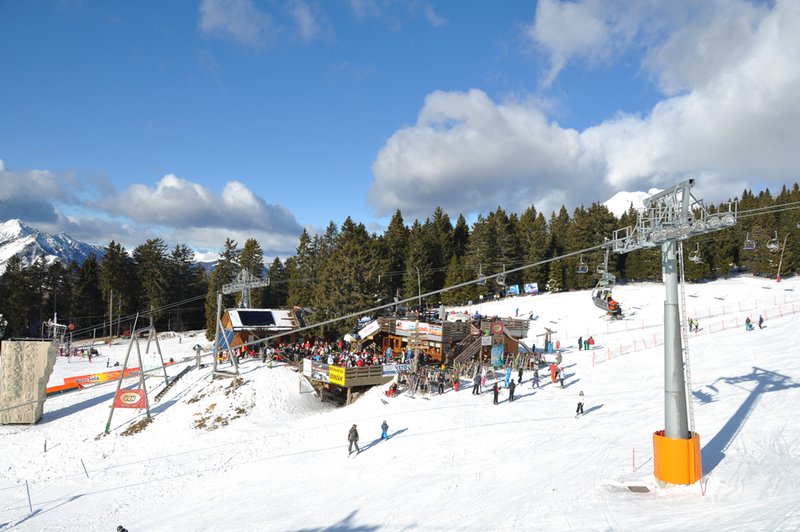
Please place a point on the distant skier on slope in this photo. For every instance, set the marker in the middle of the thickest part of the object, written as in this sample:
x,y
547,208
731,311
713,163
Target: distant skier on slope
x,y
511,387
535,378
384,430
581,399
495,392
352,437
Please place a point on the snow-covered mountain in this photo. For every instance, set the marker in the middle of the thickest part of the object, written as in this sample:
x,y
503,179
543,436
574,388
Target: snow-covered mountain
x,y
28,243
621,201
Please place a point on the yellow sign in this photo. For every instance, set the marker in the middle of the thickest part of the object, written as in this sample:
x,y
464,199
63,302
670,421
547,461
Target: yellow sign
x,y
336,374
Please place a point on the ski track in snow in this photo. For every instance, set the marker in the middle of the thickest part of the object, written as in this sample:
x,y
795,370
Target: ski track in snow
x,y
453,462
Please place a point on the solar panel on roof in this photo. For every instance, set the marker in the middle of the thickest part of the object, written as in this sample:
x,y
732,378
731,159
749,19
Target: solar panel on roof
x,y
256,318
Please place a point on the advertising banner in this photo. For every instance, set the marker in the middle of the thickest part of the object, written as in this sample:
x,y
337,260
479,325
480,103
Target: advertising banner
x,y
531,288
95,378
394,369
421,327
497,355
512,290
319,371
307,367
370,329
336,375
129,399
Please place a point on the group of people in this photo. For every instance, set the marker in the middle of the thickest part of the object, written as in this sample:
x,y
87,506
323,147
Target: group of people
x,y
585,344
352,437
748,325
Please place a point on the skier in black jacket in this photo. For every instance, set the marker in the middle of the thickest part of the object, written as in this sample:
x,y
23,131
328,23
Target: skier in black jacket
x,y
352,437
496,392
511,387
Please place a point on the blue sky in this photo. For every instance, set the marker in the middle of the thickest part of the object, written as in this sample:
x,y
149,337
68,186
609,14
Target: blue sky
x,y
198,121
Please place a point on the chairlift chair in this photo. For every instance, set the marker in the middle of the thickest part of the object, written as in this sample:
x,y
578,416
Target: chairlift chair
x,y
749,244
481,277
773,245
501,279
604,285
582,266
695,257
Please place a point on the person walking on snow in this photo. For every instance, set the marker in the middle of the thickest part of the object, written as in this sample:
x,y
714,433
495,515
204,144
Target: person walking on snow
x,y
440,380
352,437
384,430
476,384
581,399
580,343
535,378
511,387
760,321
495,392
519,381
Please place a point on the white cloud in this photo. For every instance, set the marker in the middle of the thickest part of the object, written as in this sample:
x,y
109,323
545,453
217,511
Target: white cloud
x,y
307,24
734,122
391,11
175,209
237,19
181,203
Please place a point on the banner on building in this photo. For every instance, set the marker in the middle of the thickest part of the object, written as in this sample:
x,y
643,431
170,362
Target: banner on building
x,y
336,375
497,355
130,399
531,288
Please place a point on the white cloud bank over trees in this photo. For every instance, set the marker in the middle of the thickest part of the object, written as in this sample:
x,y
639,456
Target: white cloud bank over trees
x,y
730,115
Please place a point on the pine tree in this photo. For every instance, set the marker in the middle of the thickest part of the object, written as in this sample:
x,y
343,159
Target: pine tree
x,y
116,275
277,291
252,259
302,274
224,272
152,271
419,275
394,243
86,295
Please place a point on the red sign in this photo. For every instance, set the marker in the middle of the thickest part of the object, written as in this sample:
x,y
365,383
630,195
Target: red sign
x,y
130,399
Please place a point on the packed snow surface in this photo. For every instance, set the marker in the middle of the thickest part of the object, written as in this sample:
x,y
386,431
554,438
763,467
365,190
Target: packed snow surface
x,y
267,455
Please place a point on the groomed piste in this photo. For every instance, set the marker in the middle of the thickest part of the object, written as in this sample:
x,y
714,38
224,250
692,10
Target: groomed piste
x,y
264,453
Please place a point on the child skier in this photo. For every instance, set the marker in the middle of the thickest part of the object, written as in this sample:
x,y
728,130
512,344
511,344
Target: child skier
x,y
535,378
579,410
384,430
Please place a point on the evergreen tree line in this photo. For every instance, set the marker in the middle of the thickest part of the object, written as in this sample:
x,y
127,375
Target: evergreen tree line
x,y
347,269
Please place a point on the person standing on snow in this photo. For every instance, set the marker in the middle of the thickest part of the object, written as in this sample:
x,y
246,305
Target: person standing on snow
x,y
352,437
511,387
519,381
581,399
760,321
384,430
440,380
495,392
535,378
580,343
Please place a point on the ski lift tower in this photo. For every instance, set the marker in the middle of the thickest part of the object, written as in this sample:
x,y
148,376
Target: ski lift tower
x,y
243,283
667,219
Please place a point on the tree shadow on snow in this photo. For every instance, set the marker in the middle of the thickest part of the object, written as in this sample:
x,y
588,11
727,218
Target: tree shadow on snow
x,y
345,525
765,381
